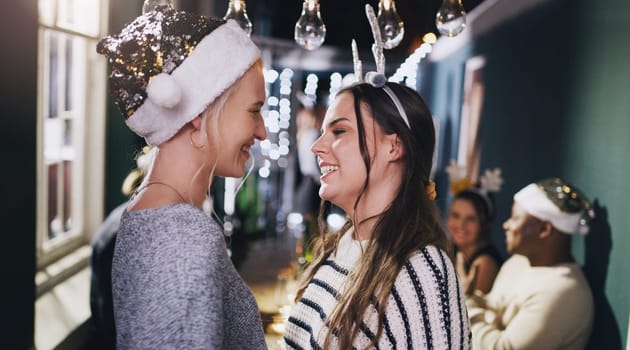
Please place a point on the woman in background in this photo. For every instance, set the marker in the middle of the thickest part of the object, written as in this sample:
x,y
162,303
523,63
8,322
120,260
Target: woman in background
x,y
469,221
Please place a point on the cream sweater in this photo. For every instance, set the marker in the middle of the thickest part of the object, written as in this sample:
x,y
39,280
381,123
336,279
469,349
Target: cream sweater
x,y
425,309
533,308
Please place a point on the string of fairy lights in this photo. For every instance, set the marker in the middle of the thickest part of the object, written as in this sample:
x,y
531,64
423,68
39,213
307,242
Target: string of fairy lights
x,y
310,29
310,33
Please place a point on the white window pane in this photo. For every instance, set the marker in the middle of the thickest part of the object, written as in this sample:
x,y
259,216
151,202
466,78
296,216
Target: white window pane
x,y
66,86
54,226
67,196
53,139
79,15
47,12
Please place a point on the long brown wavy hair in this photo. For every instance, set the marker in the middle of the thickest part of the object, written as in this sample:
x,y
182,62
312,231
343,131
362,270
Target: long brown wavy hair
x,y
412,213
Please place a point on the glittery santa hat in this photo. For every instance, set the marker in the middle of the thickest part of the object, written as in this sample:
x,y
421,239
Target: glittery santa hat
x,y
558,202
168,66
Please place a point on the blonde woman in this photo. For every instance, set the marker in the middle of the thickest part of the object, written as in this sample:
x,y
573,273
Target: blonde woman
x,y
193,88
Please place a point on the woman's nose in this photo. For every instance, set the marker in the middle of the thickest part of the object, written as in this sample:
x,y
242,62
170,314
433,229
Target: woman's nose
x,y
318,146
261,132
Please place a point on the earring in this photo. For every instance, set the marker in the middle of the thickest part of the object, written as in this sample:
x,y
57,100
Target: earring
x,y
192,143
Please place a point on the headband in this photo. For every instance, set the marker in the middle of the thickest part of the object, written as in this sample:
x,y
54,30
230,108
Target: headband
x,y
376,79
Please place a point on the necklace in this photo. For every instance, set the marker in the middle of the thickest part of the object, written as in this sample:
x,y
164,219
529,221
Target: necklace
x,y
167,185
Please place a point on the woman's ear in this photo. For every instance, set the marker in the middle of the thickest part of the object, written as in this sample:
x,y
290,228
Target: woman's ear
x,y
196,123
396,149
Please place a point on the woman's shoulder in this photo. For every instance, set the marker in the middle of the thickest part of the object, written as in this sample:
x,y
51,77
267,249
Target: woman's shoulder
x,y
486,253
429,255
428,261
177,214
180,236
485,261
176,220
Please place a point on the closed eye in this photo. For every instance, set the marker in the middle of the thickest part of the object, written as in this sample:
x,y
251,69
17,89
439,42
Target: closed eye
x,y
255,108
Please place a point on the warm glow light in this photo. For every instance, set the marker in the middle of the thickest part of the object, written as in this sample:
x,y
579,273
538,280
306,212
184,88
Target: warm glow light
x,y
311,4
238,5
429,38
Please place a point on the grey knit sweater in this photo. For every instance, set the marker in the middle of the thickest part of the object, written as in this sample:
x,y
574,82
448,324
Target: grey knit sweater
x,y
174,286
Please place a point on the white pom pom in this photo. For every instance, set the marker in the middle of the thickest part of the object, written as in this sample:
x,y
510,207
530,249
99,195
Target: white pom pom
x,y
164,91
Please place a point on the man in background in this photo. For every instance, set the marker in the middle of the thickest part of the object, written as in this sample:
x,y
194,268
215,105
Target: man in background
x,y
540,298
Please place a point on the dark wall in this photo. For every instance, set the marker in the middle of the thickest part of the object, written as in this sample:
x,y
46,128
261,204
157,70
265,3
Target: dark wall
x,y
18,105
525,107
557,103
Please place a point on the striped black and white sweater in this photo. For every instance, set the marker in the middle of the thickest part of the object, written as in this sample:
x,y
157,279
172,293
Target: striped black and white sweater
x,y
425,310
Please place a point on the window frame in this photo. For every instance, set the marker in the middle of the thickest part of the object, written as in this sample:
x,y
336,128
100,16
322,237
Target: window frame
x,y
88,123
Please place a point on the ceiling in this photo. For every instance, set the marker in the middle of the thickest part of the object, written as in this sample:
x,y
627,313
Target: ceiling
x,y
274,25
345,20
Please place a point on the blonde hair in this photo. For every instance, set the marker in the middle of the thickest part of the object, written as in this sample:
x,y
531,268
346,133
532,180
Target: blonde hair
x,y
213,109
213,113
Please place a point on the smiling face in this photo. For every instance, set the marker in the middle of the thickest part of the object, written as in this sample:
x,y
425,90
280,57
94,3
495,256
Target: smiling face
x,y
240,123
463,223
342,165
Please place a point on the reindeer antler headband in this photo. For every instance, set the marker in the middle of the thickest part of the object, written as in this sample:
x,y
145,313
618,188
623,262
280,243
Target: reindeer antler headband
x,y
376,79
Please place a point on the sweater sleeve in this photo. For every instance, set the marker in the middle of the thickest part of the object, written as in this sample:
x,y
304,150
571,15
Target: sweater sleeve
x,y
426,308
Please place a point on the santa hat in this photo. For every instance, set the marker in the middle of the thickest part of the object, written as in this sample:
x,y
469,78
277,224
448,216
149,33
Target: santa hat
x,y
558,202
168,66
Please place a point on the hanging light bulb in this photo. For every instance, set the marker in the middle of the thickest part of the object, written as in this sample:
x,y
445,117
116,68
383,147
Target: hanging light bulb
x,y
451,18
238,12
392,27
310,30
148,5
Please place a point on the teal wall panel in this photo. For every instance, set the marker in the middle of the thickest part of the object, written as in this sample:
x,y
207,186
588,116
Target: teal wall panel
x,y
599,137
557,103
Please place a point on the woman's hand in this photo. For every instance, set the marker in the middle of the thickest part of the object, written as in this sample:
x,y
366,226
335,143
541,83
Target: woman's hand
x,y
468,279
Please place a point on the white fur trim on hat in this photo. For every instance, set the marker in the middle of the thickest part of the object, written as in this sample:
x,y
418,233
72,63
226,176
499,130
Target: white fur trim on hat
x,y
536,203
220,58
